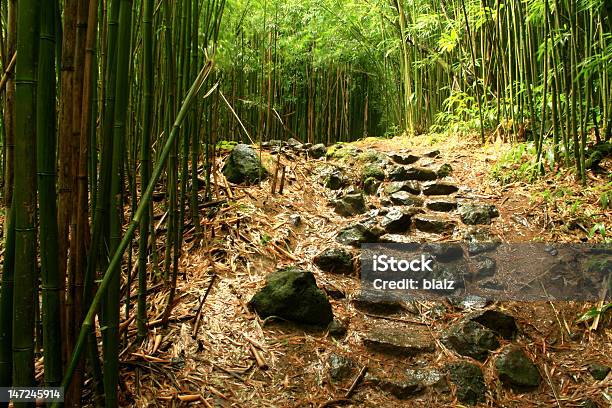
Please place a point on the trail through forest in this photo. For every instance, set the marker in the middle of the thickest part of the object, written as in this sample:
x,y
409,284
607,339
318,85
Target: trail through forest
x,y
217,351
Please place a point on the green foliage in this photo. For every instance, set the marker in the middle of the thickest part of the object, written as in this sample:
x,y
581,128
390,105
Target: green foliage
x,y
594,312
516,165
225,146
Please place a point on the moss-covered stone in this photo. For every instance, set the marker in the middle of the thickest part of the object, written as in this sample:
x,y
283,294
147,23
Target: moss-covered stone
x,y
599,371
293,294
469,381
244,166
335,260
374,171
350,204
371,186
471,339
335,181
515,369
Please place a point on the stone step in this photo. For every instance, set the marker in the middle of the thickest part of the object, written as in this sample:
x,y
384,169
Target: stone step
x,y
403,341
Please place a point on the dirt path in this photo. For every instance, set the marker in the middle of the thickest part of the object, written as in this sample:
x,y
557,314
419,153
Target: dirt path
x,y
237,359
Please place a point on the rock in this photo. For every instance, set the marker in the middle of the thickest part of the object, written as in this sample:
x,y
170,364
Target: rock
x,y
492,284
337,328
405,198
293,143
373,156
340,367
433,154
440,188
400,389
333,291
398,341
471,339
469,380
429,377
480,241
431,223
444,251
599,371
398,173
441,204
335,260
444,170
473,214
501,323
378,303
350,204
317,151
276,143
293,294
358,234
410,186
470,302
374,171
515,369
395,239
484,266
475,248
295,219
372,225
551,250
397,220
335,181
341,151
403,158
371,186
243,166
401,173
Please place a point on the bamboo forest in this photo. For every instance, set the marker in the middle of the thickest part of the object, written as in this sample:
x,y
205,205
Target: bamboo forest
x,y
306,203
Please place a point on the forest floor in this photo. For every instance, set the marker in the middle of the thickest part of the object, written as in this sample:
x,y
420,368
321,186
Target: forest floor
x,y
234,358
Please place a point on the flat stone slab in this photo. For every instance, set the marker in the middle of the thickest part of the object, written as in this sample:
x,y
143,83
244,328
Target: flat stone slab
x,y
411,186
397,220
377,303
441,204
431,223
403,158
440,188
405,198
398,341
400,388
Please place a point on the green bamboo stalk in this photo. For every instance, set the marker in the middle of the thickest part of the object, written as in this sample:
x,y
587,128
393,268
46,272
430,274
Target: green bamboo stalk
x,y
46,143
145,160
111,333
26,277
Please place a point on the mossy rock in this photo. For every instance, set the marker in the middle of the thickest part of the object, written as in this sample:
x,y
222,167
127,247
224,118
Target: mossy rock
x,y
243,166
516,370
469,380
373,171
371,186
293,294
341,150
372,156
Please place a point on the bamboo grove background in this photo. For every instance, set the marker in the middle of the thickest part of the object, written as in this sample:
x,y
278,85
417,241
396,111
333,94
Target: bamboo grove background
x,y
111,104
